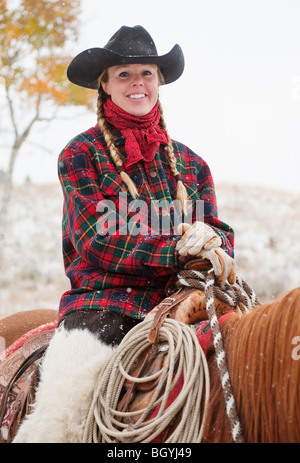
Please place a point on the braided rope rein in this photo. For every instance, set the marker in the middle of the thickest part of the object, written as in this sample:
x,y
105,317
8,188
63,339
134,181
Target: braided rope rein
x,y
239,295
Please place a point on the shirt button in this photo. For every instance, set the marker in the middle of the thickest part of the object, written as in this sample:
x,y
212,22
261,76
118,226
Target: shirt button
x,y
153,173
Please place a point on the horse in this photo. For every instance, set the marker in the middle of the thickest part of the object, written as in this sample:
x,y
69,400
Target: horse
x,y
16,325
263,362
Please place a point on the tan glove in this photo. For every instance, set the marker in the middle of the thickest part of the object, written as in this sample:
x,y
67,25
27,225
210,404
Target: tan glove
x,y
195,237
222,263
200,240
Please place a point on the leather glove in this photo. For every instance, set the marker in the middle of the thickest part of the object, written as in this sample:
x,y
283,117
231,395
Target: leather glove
x,y
222,263
195,237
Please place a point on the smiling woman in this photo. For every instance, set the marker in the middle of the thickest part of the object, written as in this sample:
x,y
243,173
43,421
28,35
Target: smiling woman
x,y
116,278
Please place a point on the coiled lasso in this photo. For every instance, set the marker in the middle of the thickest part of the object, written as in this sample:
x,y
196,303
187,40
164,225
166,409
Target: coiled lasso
x,y
104,423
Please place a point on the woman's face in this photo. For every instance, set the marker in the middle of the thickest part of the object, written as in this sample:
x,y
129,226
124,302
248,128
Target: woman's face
x,y
133,87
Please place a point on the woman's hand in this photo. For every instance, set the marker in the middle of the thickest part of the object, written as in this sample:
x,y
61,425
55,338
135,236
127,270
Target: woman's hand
x,y
200,240
222,263
195,237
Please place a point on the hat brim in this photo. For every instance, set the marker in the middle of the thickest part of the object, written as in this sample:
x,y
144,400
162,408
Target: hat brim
x,y
85,69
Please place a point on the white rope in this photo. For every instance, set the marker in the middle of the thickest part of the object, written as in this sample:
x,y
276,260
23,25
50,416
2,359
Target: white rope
x,y
239,295
231,410
107,425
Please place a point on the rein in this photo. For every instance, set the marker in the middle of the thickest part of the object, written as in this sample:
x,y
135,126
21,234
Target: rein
x,y
239,295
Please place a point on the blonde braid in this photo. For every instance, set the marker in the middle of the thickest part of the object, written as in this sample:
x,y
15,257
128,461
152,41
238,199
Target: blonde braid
x,y
181,193
102,123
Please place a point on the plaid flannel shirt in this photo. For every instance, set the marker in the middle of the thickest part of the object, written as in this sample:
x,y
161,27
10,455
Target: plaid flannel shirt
x,y
111,263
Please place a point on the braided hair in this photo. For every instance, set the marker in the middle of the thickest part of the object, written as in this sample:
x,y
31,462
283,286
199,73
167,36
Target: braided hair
x,y
181,193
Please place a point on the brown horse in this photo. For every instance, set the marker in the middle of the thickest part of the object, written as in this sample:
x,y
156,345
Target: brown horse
x,y
263,361
17,324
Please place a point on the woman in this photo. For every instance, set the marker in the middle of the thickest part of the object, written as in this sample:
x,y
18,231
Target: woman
x,y
137,207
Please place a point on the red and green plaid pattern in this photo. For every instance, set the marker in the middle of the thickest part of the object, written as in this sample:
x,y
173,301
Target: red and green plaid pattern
x,y
124,270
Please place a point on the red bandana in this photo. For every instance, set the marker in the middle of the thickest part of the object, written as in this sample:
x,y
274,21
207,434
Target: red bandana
x,y
142,134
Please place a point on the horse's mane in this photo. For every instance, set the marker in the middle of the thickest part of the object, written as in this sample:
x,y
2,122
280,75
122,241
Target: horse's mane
x,y
264,375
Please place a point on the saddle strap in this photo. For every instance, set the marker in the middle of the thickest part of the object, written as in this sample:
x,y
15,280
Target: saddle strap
x,y
162,310
152,358
19,372
147,358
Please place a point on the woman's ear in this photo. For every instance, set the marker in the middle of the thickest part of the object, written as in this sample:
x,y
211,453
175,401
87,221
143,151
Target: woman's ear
x,y
105,87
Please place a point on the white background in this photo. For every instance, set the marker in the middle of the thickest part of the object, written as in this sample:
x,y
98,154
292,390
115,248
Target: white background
x,y
238,102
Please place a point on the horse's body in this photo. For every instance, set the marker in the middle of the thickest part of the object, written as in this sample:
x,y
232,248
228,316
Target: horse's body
x,y
264,367
264,372
14,326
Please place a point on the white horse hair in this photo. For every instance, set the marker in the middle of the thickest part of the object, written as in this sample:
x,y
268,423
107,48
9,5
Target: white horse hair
x,y
68,375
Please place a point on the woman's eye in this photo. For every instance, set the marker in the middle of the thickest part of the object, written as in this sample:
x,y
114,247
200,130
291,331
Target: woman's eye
x,y
123,74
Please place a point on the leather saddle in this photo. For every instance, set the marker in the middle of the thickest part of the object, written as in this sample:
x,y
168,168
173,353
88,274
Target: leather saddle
x,y
19,376
19,373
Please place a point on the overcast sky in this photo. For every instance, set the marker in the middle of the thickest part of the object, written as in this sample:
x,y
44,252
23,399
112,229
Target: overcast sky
x,y
238,102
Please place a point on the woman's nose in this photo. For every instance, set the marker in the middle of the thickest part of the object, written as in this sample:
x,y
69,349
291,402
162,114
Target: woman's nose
x,y
137,80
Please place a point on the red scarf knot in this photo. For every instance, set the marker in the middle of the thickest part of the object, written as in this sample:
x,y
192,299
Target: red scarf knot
x,y
142,134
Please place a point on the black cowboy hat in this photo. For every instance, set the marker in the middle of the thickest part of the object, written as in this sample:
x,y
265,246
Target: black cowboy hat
x,y
128,45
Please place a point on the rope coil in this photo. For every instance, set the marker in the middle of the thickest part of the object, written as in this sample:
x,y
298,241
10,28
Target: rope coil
x,y
104,423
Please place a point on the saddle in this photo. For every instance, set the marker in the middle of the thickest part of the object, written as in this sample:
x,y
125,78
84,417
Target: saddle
x,y
19,372
19,377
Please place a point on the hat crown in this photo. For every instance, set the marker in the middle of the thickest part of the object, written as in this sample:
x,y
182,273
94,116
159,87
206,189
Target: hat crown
x,y
132,41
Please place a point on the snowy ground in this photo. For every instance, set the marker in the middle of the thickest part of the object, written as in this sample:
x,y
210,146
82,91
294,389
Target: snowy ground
x,y
267,246
266,224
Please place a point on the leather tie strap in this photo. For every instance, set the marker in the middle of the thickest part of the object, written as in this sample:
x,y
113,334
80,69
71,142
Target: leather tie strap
x,y
162,310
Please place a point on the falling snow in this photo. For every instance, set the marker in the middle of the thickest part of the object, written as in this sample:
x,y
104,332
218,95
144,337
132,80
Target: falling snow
x,y
267,246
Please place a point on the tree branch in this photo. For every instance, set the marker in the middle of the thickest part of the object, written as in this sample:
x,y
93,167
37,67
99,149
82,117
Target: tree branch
x,y
28,128
11,111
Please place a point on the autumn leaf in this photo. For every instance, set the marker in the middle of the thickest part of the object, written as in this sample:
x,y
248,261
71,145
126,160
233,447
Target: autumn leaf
x,y
32,39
